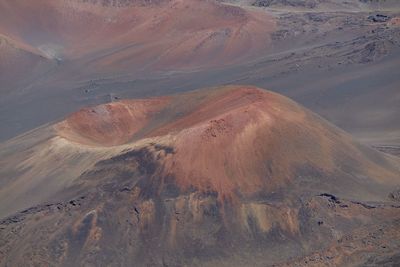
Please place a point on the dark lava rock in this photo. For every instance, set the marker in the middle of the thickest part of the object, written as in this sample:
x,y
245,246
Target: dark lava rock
x,y
293,3
395,195
378,18
331,198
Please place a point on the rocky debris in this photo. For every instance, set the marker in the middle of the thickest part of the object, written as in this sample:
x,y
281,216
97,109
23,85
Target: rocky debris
x,y
112,97
373,42
131,218
370,247
123,3
395,195
331,198
216,128
137,213
317,17
19,217
379,18
365,205
291,3
372,51
166,149
393,150
280,35
342,203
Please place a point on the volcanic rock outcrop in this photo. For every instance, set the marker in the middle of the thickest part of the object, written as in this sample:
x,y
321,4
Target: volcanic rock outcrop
x,y
225,176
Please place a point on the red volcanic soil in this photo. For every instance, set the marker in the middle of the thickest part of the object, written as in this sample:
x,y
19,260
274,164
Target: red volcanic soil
x,y
225,139
394,22
192,179
110,124
166,34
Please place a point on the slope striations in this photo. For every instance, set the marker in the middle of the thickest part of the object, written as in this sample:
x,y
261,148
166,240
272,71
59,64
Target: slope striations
x,y
222,176
115,35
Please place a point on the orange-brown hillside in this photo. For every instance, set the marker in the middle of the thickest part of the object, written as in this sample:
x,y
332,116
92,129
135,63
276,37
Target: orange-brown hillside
x,y
110,124
192,179
234,139
139,34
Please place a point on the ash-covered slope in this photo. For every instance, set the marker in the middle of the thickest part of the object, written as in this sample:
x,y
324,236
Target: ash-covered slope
x,y
227,176
114,35
19,62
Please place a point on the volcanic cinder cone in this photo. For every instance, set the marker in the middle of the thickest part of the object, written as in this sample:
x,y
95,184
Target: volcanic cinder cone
x,y
228,176
138,34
